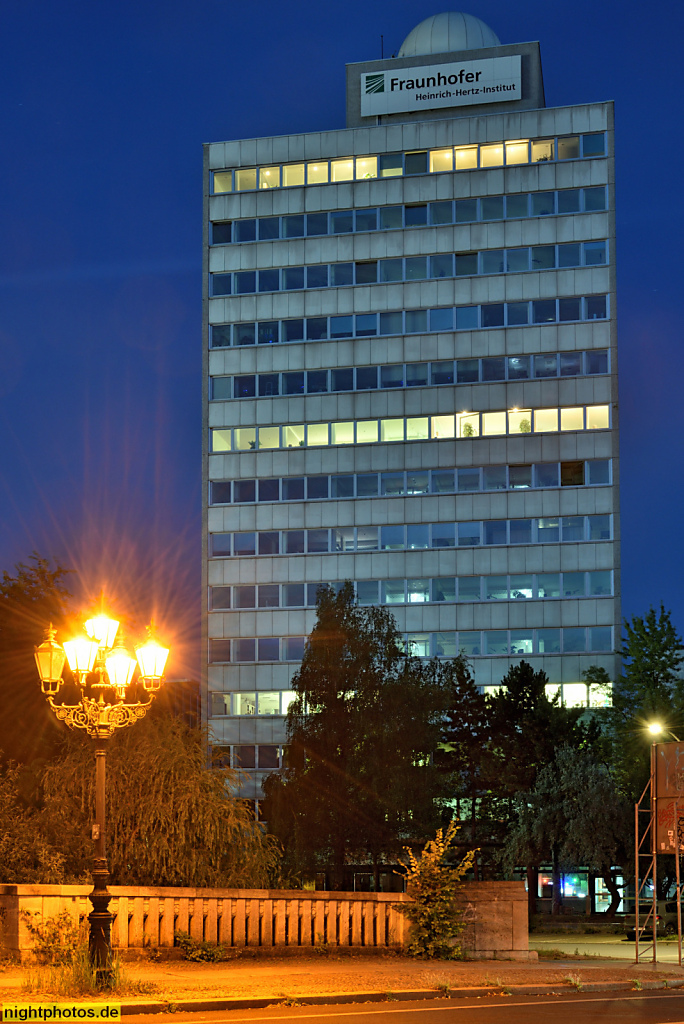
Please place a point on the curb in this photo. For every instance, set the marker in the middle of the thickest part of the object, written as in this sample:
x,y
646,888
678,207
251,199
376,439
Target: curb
x,y
401,995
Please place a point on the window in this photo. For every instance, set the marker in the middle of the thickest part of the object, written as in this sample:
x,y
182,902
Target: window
x,y
244,704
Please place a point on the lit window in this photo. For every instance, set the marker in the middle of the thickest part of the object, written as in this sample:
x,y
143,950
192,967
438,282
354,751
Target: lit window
x,y
342,170
317,434
287,697
269,177
417,429
245,438
223,181
418,645
269,437
545,421
542,150
468,424
316,173
519,421
366,167
521,641
244,703
516,152
575,695
343,433
418,591
442,426
245,179
465,157
492,156
493,423
293,174
391,430
269,702
293,436
367,432
598,417
220,441
572,419
441,160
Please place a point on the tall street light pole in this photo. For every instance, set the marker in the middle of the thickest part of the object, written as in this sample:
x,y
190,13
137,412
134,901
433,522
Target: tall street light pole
x,y
108,692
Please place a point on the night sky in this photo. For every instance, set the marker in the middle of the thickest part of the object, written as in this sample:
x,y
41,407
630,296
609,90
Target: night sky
x,y
105,106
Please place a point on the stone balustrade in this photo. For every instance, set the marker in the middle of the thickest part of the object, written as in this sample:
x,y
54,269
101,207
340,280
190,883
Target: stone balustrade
x,y
267,919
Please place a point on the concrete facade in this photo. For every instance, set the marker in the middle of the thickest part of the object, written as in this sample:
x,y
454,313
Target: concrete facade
x,y
548,585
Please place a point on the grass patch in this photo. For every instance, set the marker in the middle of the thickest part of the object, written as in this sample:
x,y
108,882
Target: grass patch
x,y
78,977
552,954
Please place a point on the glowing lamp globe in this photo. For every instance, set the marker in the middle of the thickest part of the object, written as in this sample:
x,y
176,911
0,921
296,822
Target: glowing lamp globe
x,y
152,661
81,653
103,629
50,658
120,668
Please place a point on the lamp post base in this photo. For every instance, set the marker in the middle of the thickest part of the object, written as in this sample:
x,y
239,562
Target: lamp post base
x,y
100,938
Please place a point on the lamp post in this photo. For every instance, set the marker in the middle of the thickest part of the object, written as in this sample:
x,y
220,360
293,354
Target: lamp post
x,y
104,673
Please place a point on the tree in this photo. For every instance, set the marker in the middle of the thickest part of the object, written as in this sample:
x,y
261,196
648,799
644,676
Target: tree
x,y
574,815
170,819
464,747
35,596
650,689
527,726
361,732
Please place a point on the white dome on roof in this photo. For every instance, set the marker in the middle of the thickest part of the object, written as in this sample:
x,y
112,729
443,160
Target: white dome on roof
x,y
444,33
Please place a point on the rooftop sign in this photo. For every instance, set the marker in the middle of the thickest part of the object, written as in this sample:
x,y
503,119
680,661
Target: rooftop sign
x,y
462,83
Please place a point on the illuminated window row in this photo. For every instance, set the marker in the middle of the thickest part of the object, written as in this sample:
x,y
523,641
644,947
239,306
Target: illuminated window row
x,y
414,428
391,165
413,321
261,702
449,589
566,256
412,536
389,218
595,472
264,756
411,375
473,643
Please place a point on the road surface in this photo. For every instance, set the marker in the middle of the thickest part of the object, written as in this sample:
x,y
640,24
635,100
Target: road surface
x,y
569,1008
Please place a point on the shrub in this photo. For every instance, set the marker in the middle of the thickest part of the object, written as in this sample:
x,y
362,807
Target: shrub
x,y
55,940
433,884
207,952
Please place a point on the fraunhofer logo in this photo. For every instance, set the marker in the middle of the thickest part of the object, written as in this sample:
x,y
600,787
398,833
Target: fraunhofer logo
x,y
375,83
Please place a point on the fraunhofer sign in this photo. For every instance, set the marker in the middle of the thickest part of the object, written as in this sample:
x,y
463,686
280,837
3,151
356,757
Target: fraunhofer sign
x,y
459,83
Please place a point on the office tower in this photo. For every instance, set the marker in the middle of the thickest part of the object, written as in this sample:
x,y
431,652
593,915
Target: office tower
x,y
410,356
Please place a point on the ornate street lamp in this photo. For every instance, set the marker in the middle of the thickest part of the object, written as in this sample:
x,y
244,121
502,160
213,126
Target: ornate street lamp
x,y
107,688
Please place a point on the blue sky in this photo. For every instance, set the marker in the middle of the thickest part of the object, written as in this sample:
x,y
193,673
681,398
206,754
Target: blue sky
x,y
104,109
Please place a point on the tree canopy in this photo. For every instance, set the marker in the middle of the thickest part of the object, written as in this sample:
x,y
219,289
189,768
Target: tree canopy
x,y
362,732
574,815
170,820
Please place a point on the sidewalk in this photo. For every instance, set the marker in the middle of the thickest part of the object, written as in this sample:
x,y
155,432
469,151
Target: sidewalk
x,y
242,982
